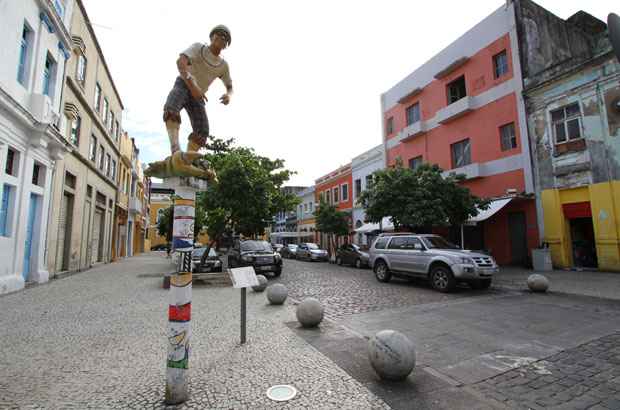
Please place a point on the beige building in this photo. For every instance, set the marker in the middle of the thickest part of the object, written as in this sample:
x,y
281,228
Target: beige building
x,y
85,181
120,231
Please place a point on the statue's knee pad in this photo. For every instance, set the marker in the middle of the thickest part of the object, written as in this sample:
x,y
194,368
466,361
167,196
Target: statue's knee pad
x,y
172,116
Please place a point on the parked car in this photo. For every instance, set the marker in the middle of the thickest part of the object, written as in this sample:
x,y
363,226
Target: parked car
x,y
352,254
430,257
277,247
211,264
160,247
289,251
258,254
311,251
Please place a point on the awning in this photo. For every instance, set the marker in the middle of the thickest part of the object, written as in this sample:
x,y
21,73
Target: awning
x,y
494,207
370,227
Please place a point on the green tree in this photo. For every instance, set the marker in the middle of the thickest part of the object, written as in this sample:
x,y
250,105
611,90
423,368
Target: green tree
x,y
332,222
246,195
419,199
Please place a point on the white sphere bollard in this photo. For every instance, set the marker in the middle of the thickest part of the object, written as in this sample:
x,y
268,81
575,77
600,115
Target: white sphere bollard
x,y
391,354
276,294
310,312
537,283
262,283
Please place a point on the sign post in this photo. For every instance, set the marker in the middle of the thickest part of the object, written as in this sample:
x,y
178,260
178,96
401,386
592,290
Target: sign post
x,y
243,278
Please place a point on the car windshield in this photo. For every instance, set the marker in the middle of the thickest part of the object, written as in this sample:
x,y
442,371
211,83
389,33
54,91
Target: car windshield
x,y
292,246
312,246
256,246
200,251
437,242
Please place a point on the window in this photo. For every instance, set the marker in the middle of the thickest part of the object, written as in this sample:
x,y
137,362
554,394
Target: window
x,y
500,64
98,98
389,125
49,76
113,176
335,195
508,137
74,136
413,114
328,196
414,163
12,162
118,130
358,187
380,243
92,151
305,207
24,55
310,206
566,123
368,181
398,242
80,73
321,197
101,157
70,180
456,90
5,209
106,111
111,123
36,174
461,154
108,164
345,192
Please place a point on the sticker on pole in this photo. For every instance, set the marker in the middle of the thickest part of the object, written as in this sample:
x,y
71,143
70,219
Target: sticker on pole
x,y
243,277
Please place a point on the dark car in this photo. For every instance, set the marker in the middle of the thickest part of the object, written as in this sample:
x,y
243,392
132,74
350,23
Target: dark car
x,y
289,251
211,264
160,247
258,254
352,254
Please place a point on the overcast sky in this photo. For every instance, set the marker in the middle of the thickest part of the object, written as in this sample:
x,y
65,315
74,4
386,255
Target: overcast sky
x,y
307,75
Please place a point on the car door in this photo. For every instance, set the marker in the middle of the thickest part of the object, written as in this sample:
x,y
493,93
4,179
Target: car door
x,y
346,254
301,251
416,255
397,253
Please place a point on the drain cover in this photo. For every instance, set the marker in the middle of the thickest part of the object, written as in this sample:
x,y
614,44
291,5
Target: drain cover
x,y
282,392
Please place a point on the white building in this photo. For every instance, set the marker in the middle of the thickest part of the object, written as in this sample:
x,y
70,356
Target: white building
x,y
362,168
34,46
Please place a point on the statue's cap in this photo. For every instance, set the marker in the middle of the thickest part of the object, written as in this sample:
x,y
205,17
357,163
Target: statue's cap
x,y
222,29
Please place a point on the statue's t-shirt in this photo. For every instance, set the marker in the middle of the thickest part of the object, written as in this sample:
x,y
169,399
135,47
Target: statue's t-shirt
x,y
206,67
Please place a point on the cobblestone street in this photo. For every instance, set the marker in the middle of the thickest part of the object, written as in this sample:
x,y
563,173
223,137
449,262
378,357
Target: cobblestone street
x,y
97,340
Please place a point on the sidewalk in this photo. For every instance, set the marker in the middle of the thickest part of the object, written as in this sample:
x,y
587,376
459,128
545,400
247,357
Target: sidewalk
x,y
98,340
587,283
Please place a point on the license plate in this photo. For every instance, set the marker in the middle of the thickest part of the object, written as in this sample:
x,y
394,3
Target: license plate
x,y
264,268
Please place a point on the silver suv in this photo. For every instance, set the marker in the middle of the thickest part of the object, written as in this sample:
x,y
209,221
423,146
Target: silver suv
x,y
431,257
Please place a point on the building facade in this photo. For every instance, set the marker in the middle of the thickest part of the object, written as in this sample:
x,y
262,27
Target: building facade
x,y
573,102
464,111
85,181
120,229
306,222
335,189
362,168
35,48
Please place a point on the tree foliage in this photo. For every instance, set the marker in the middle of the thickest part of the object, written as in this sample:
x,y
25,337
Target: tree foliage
x,y
420,198
332,222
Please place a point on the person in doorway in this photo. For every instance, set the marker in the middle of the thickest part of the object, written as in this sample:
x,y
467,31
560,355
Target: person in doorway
x,y
198,67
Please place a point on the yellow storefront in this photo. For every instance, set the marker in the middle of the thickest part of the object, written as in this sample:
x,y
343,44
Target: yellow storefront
x,y
582,226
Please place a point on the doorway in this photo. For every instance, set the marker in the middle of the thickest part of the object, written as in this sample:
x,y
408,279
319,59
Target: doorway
x,y
583,243
29,245
518,238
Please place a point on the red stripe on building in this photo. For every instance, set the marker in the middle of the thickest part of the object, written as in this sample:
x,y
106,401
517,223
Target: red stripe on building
x,y
577,210
180,313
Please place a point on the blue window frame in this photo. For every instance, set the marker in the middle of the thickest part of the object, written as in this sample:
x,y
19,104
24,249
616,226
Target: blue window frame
x,y
23,55
4,210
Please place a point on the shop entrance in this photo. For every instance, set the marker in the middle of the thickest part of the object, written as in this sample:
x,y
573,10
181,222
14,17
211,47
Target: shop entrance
x,y
583,243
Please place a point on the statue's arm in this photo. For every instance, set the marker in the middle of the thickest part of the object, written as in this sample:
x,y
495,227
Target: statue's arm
x,y
183,62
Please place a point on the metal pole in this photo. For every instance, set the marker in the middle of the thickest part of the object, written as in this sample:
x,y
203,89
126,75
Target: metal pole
x,y
462,237
180,305
243,308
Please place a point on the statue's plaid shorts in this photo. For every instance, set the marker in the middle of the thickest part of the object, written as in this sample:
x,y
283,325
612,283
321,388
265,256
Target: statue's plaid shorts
x,y
179,98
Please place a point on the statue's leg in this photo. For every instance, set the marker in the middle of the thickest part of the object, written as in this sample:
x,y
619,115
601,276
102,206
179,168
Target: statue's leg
x,y
178,97
200,125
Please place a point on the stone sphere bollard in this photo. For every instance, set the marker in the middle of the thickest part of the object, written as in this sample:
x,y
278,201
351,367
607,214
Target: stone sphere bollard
x,y
391,354
537,283
276,294
310,312
262,283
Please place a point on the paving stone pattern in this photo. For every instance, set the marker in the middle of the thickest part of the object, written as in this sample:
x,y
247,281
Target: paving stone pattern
x,y
586,377
347,291
97,340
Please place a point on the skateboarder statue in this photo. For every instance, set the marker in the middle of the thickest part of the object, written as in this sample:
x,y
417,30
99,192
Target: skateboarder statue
x,y
198,67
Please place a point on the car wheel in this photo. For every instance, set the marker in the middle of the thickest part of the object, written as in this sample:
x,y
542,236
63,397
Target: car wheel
x,y
481,284
442,279
382,273
338,260
358,263
277,273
